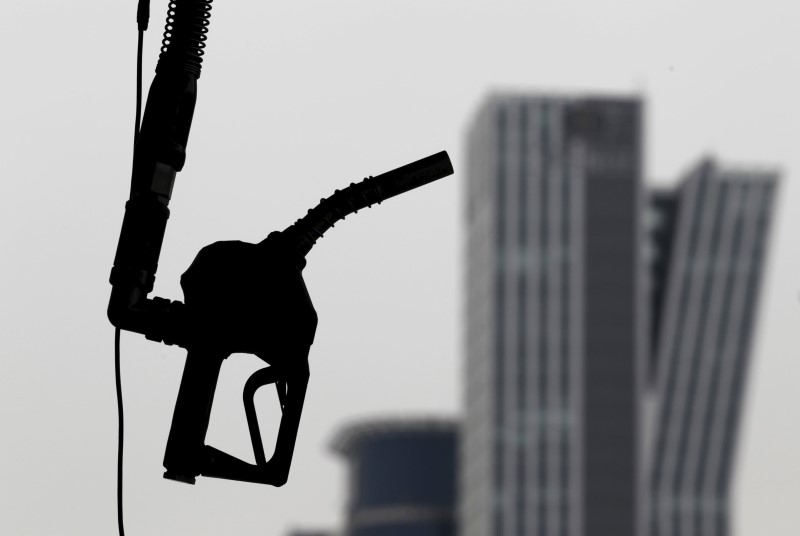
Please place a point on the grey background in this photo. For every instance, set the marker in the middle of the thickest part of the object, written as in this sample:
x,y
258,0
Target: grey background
x,y
297,99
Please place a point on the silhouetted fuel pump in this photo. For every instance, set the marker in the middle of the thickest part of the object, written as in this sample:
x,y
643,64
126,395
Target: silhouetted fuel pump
x,y
238,297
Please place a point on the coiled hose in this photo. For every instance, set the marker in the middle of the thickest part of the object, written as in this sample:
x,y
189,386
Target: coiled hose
x,y
185,35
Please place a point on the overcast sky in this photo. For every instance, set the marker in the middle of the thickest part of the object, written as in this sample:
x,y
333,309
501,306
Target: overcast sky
x,y
297,99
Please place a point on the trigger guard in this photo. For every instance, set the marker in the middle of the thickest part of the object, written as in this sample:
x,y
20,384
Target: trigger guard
x,y
259,379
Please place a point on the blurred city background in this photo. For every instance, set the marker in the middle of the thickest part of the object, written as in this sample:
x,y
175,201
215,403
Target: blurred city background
x,y
590,329
608,328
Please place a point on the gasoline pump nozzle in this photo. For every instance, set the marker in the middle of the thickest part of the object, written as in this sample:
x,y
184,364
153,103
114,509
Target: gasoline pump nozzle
x,y
251,298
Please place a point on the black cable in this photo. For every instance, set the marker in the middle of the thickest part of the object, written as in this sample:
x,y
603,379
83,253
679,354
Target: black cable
x,y
121,433
138,87
142,18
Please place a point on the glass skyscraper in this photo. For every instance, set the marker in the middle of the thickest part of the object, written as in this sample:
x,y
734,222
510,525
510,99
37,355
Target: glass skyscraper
x,y
718,220
556,318
575,398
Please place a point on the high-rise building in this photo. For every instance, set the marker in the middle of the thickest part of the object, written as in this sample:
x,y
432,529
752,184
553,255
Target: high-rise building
x,y
608,327
714,227
402,477
556,334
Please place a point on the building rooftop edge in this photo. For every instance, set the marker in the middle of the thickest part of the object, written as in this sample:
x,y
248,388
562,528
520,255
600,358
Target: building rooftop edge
x,y
578,95
349,435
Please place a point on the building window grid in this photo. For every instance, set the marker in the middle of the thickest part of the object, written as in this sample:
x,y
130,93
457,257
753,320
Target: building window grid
x,y
566,346
683,303
695,269
706,276
544,249
732,416
718,355
500,324
550,321
522,318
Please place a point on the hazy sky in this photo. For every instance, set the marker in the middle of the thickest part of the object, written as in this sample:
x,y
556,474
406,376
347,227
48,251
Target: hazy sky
x,y
297,99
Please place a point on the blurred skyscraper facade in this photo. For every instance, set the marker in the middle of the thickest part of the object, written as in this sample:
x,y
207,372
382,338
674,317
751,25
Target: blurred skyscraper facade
x,y
716,227
556,318
606,332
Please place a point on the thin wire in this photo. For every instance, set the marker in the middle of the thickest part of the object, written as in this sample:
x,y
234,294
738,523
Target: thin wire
x,y
120,413
121,433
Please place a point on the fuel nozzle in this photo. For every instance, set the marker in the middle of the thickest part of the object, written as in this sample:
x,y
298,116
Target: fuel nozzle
x,y
251,298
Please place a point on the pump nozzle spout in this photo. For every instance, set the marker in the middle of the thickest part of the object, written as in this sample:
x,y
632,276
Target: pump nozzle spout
x,y
304,233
